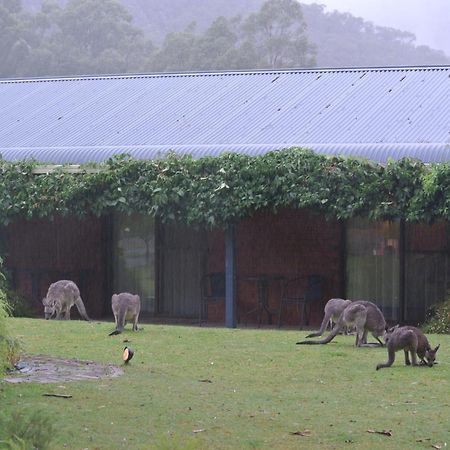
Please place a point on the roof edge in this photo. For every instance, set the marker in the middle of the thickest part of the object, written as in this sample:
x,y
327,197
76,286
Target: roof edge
x,y
225,72
428,152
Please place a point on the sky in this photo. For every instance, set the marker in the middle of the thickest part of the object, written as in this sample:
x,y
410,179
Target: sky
x,y
429,20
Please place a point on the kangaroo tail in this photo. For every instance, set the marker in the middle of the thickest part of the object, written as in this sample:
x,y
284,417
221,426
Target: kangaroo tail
x,y
337,328
326,319
81,309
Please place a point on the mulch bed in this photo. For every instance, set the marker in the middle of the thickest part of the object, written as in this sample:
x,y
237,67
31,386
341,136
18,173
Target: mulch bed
x,y
48,369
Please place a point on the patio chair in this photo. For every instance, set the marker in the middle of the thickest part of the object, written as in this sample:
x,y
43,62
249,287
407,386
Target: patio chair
x,y
297,294
212,290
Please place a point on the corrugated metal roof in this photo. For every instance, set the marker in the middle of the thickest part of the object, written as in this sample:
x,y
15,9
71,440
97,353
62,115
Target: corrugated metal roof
x,y
370,112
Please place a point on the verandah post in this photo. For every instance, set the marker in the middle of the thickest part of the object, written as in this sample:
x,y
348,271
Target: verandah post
x,y
230,288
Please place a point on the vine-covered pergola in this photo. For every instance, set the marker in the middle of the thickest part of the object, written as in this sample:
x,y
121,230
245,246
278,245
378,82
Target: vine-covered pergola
x,y
219,191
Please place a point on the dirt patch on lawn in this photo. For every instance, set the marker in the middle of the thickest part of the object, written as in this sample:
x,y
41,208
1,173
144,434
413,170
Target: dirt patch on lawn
x,y
47,369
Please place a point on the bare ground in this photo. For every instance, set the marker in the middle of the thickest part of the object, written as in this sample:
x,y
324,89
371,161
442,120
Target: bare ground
x,y
47,369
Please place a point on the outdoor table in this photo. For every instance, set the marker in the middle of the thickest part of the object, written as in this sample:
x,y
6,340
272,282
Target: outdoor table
x,y
263,282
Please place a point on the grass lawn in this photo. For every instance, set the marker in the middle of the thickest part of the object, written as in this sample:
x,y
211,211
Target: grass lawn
x,y
215,388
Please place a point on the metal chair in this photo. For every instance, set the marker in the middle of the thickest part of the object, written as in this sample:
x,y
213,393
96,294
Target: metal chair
x,y
296,293
212,290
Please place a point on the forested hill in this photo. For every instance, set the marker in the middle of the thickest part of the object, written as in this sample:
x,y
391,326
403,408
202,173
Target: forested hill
x,y
341,39
70,37
159,17
344,40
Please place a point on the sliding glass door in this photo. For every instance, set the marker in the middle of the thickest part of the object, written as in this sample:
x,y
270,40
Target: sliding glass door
x,y
373,264
134,257
427,268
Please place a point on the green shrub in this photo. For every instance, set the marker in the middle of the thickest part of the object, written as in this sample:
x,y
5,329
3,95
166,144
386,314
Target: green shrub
x,y
9,347
24,431
3,341
4,312
17,305
439,322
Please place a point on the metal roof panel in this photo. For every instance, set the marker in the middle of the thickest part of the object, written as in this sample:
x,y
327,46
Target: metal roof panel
x,y
370,112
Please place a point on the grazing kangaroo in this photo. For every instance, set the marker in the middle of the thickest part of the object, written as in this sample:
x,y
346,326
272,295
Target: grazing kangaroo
x,y
333,309
364,316
61,296
126,307
410,340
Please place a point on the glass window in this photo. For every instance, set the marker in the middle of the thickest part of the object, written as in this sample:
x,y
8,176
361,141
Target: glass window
x,y
426,268
134,257
373,264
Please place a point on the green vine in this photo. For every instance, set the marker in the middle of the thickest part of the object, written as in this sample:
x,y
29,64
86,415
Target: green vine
x,y
214,191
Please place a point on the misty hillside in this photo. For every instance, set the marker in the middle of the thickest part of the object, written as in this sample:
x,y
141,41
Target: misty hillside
x,y
159,17
83,37
340,38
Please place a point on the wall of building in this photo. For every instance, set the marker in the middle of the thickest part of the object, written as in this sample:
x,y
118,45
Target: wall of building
x,y
40,252
291,243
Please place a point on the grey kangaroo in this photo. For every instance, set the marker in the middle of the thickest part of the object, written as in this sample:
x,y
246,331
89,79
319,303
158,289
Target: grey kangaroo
x,y
333,309
410,340
364,316
61,296
126,307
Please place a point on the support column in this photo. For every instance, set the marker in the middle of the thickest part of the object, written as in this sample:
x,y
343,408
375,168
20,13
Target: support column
x,y
402,268
230,269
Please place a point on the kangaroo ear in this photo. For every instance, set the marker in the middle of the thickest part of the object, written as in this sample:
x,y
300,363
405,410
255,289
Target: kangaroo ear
x,y
390,330
437,348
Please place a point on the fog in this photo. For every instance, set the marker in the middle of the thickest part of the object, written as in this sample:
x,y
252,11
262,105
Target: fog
x,y
429,20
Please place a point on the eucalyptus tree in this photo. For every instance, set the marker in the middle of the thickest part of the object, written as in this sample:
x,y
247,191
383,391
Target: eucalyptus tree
x,y
277,34
273,37
90,36
14,47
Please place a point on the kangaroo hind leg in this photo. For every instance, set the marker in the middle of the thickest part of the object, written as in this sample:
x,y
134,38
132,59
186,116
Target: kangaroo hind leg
x,y
407,361
135,323
361,333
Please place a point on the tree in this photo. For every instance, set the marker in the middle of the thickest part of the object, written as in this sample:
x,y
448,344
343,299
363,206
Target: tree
x,y
277,34
177,51
274,37
14,48
90,36
216,48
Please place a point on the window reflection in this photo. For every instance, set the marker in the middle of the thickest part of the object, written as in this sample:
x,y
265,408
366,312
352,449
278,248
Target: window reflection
x,y
427,268
373,264
134,257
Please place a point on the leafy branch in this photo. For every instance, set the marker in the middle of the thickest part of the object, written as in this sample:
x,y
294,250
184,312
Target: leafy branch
x,y
214,191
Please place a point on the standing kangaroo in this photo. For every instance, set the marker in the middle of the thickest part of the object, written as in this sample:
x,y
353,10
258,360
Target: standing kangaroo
x,y
364,316
61,296
126,307
410,340
333,309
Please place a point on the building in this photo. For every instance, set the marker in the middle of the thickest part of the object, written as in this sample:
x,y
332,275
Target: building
x,y
373,113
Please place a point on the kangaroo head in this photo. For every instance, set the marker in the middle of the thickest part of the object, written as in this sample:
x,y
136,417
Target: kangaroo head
x,y
387,332
49,308
430,356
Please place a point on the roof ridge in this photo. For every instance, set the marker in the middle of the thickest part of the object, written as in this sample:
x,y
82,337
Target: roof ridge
x,y
224,73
